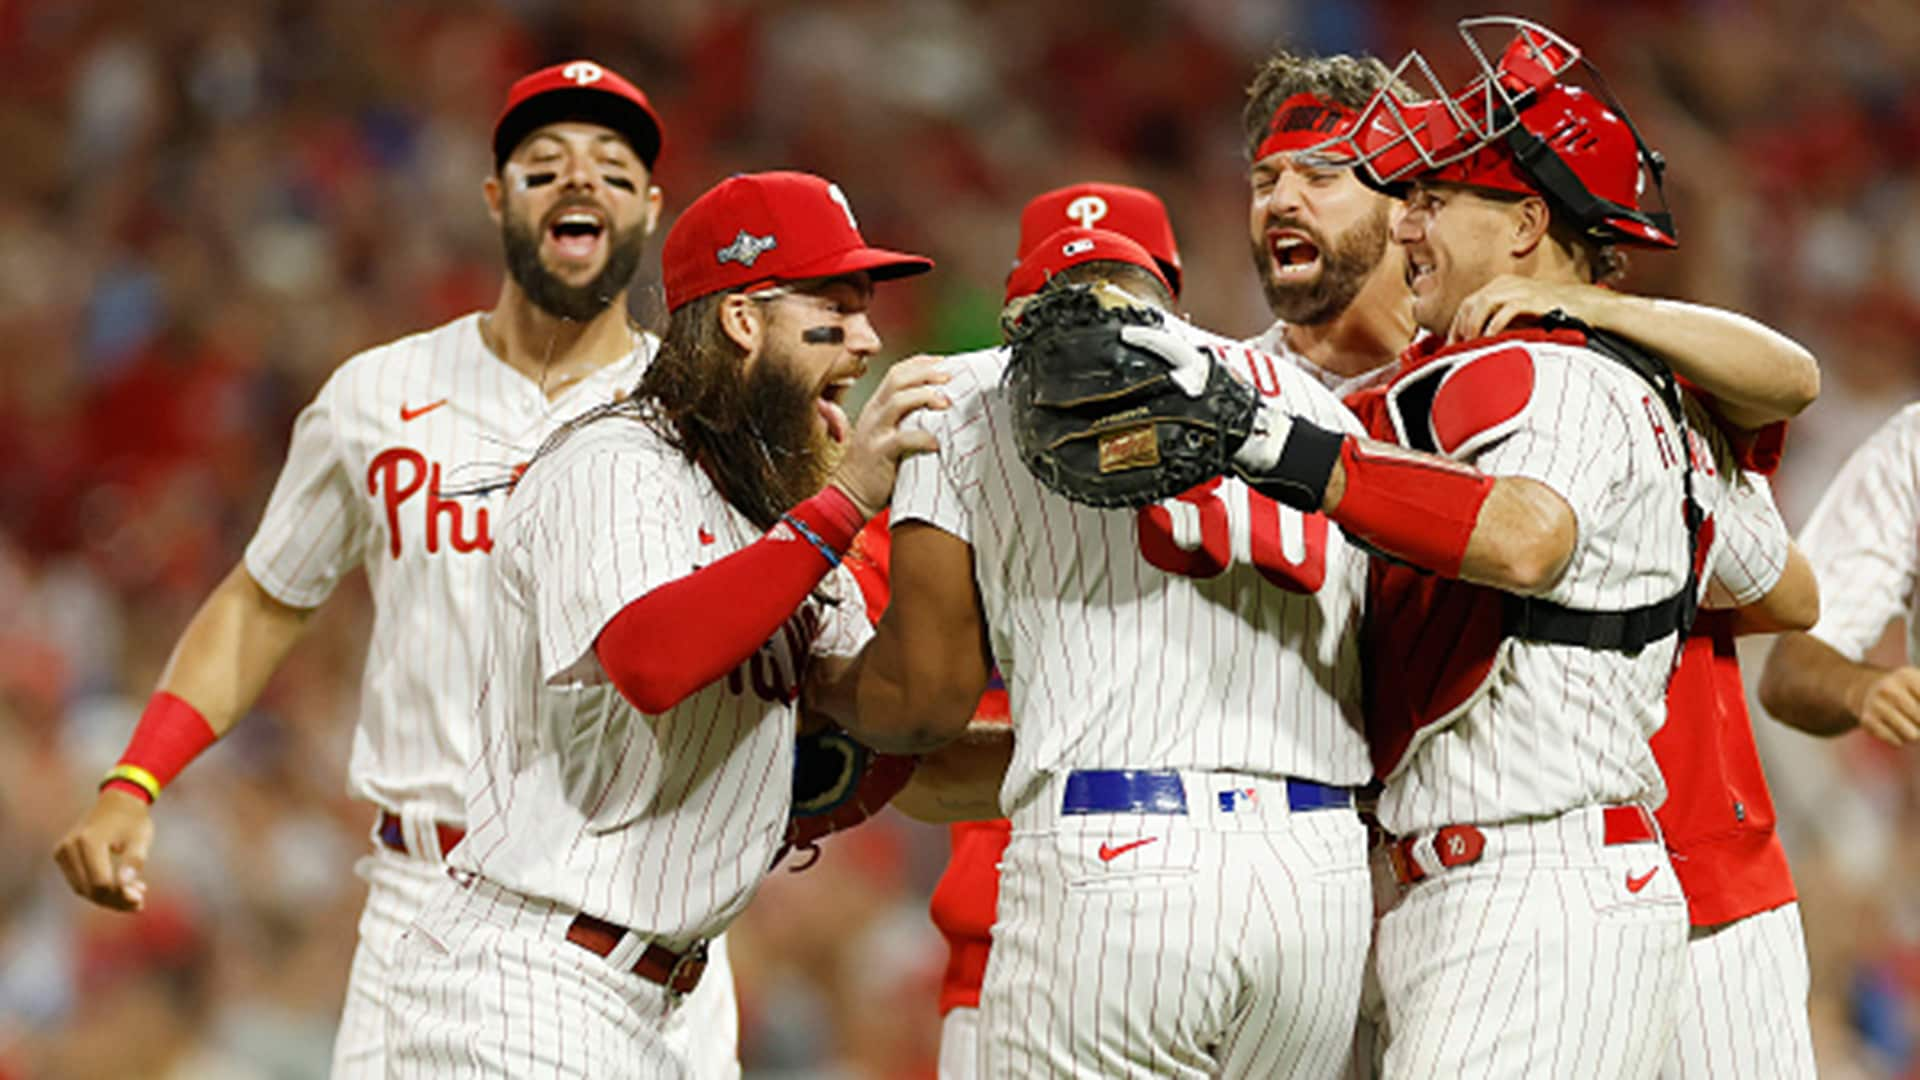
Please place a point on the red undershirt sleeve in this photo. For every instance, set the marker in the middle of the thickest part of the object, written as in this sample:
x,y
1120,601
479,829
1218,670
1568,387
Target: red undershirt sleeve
x,y
667,644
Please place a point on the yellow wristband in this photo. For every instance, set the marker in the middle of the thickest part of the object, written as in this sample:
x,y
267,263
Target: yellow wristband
x,y
135,775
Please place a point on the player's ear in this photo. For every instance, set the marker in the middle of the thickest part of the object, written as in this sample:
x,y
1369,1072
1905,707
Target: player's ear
x,y
1530,220
494,192
655,201
744,323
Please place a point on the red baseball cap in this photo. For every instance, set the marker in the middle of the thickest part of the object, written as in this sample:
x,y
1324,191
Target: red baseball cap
x,y
1072,246
1130,211
770,227
577,90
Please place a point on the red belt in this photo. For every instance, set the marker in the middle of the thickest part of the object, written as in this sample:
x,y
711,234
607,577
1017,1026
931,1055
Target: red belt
x,y
678,972
1461,845
394,836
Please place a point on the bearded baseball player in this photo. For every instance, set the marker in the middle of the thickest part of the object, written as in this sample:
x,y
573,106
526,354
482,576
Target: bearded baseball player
x,y
400,465
668,568
1556,570
1319,239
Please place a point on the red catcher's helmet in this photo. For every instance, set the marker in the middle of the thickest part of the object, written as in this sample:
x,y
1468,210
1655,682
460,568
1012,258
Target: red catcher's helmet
x,y
1517,127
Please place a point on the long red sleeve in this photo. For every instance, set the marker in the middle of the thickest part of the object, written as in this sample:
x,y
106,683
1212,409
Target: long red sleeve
x,y
681,636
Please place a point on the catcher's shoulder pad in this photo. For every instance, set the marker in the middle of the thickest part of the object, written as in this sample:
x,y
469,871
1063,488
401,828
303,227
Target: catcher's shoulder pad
x,y
1470,404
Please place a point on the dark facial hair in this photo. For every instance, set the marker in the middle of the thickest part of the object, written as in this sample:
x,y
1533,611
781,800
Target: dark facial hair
x,y
1344,267
580,303
778,410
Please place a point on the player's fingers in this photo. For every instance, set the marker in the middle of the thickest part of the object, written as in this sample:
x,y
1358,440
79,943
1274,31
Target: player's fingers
x,y
1502,318
914,371
1464,320
917,441
68,860
103,886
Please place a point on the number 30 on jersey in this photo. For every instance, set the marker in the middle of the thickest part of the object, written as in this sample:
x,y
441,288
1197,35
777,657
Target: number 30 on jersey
x,y
1201,532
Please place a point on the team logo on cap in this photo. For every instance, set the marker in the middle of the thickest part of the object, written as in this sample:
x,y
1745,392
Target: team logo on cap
x,y
746,248
1075,247
1087,209
583,72
834,192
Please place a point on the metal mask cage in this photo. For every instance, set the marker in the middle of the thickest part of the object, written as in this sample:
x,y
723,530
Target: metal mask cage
x,y
1393,138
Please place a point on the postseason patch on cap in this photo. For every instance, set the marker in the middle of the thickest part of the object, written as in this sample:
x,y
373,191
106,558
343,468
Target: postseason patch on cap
x,y
746,248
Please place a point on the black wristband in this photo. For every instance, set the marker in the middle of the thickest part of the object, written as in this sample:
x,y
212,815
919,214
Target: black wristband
x,y
1299,478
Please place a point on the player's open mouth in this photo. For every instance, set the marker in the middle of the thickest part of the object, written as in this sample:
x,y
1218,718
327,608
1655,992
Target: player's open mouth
x,y
1419,271
831,412
576,233
1292,254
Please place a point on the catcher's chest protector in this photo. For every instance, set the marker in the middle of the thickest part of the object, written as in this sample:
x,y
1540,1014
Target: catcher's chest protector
x,y
1431,643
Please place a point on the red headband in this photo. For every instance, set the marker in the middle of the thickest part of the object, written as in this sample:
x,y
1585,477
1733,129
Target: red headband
x,y
1301,122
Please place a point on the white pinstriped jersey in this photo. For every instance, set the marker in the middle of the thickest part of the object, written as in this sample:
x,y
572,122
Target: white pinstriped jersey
x,y
1556,727
1215,631
1274,340
1864,541
374,477
661,823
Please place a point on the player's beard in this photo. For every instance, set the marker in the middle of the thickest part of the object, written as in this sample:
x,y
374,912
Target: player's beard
x,y
580,303
1344,266
754,434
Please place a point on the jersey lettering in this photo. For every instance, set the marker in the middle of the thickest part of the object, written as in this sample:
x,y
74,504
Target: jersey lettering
x,y
397,475
773,672
1196,535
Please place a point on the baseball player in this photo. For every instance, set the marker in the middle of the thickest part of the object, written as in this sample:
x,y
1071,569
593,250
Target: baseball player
x,y
1533,641
965,899
665,574
1185,890
1861,541
399,465
1718,820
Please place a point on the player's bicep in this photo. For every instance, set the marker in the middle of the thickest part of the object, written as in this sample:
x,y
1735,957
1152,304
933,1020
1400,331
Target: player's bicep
x,y
599,536
314,528
932,642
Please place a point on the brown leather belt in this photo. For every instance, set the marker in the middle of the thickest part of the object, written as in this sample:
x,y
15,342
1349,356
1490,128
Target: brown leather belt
x,y
1461,845
393,834
678,972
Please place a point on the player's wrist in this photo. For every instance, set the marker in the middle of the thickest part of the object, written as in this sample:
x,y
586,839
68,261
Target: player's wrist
x,y
829,521
1288,458
170,734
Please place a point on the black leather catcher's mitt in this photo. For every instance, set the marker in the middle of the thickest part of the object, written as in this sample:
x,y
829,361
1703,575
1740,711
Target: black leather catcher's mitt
x,y
1111,407
837,784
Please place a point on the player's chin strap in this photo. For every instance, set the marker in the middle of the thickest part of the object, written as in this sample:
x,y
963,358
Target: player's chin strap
x,y
1529,618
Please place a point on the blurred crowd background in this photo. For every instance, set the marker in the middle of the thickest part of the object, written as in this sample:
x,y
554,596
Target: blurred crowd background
x,y
204,207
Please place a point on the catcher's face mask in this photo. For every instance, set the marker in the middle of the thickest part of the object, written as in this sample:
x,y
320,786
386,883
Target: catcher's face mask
x,y
1517,126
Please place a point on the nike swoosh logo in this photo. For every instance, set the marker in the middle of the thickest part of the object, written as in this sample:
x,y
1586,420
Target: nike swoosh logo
x,y
407,414
1108,853
1635,884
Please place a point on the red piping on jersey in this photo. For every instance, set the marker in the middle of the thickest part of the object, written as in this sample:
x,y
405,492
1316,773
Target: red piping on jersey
x,y
667,644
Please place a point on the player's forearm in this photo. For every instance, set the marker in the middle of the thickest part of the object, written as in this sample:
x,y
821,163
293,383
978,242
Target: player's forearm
x,y
1509,533
1756,374
961,781
905,701
1809,685
666,645
229,650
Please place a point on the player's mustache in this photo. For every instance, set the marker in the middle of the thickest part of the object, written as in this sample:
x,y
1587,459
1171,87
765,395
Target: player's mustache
x,y
1298,226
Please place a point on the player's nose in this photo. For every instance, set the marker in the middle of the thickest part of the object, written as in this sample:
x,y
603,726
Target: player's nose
x,y
862,339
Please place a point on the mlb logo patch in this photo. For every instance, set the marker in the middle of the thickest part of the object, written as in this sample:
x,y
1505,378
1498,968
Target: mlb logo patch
x,y
1233,799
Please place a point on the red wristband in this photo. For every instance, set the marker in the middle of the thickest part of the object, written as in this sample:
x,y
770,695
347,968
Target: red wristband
x,y
1419,508
170,734
833,515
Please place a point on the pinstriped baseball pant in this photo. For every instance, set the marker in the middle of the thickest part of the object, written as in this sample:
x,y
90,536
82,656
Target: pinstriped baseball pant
x,y
1541,959
1231,944
1743,1007
485,984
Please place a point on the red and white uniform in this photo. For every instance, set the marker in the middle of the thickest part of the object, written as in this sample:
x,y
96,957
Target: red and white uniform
x,y
401,464
1864,541
1498,959
578,803
1212,635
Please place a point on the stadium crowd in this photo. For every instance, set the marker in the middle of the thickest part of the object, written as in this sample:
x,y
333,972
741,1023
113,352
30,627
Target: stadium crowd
x,y
205,207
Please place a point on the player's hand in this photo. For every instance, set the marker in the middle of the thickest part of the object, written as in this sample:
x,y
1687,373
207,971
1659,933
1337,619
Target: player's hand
x,y
1498,304
878,442
1890,709
104,854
